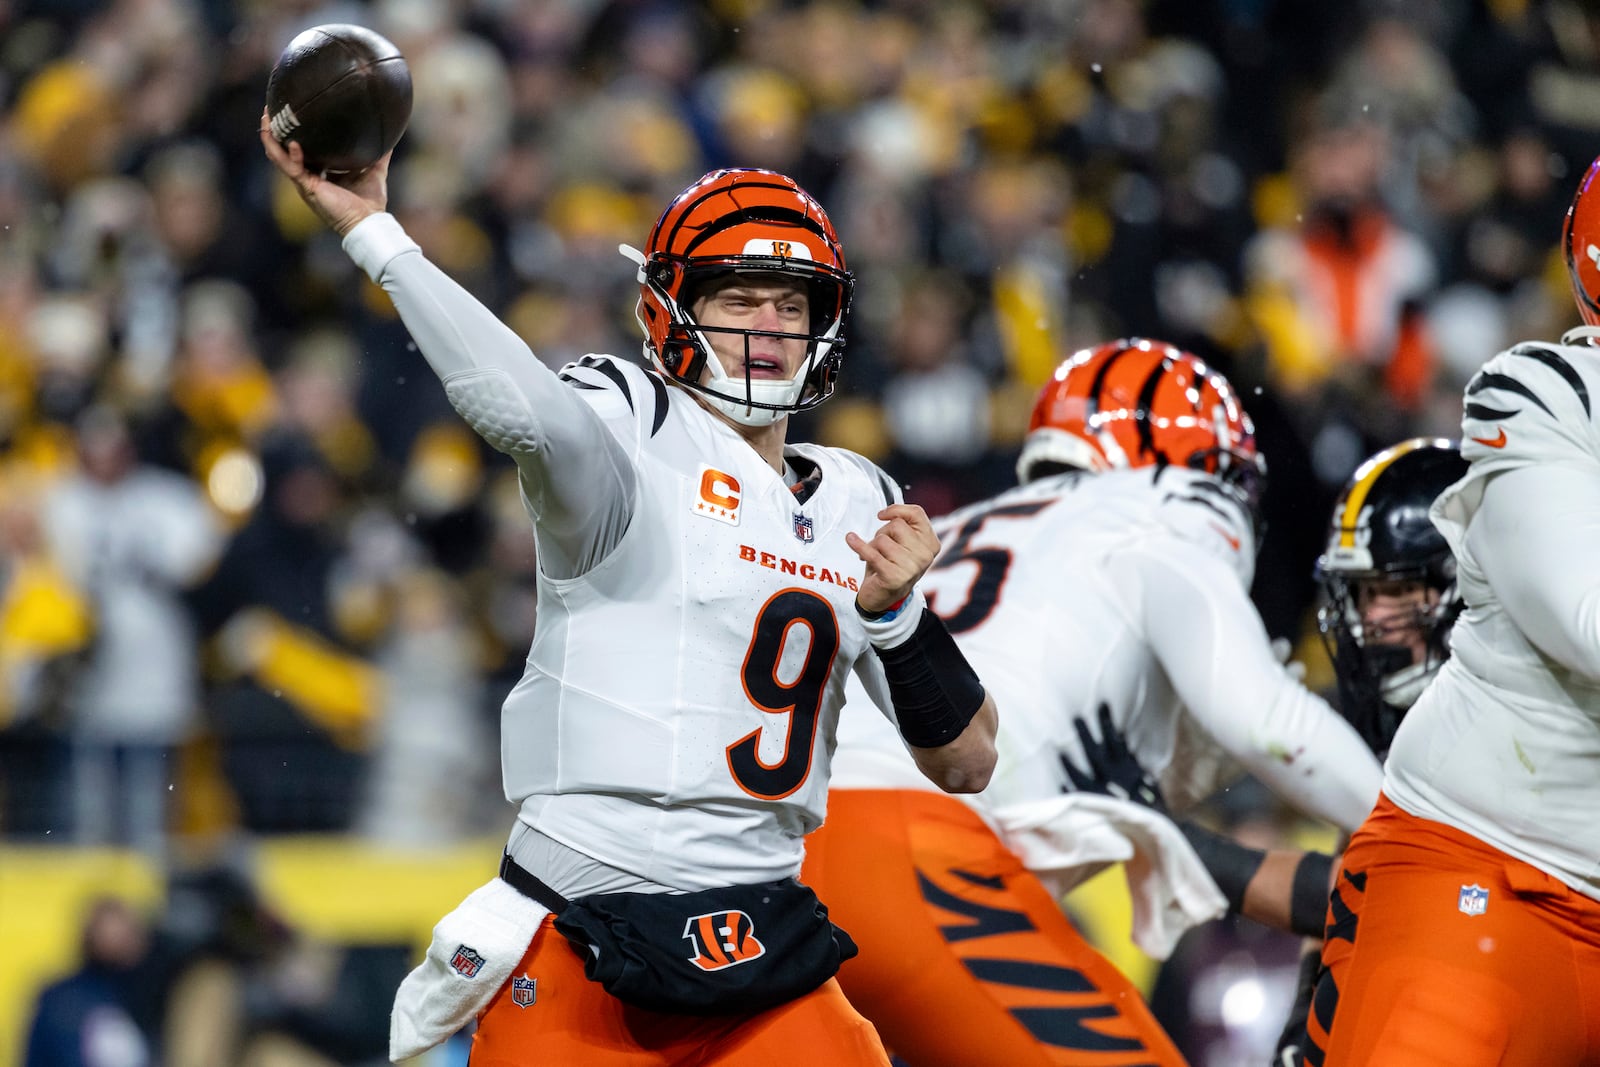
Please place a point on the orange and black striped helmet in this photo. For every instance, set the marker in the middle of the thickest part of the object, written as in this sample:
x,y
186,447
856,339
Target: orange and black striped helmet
x,y
742,221
1580,241
1139,403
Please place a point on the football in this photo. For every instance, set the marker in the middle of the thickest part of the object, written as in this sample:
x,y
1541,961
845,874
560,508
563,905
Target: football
x,y
343,92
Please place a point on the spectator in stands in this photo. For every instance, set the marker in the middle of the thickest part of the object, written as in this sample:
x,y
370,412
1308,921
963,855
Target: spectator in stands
x,y
131,539
85,1019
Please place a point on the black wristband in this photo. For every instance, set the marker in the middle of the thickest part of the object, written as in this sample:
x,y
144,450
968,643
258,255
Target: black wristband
x,y
934,689
1308,903
1230,864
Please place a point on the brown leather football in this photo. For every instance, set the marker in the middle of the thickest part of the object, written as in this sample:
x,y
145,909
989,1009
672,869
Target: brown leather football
x,y
343,92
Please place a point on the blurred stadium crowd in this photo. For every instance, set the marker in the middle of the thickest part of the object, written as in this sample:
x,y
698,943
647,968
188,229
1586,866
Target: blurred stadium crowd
x,y
256,576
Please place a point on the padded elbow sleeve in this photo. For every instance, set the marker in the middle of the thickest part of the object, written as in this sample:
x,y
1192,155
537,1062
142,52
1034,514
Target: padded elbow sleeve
x,y
934,689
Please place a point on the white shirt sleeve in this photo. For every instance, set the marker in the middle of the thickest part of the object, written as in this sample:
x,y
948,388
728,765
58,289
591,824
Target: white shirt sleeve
x,y
578,478
1210,641
1534,537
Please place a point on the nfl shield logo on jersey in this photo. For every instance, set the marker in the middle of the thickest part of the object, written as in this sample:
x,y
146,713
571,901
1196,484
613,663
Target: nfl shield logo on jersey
x,y
524,990
1474,900
466,962
803,528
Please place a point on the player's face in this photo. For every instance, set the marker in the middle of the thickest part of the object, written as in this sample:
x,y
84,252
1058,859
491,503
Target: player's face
x,y
767,303
1394,613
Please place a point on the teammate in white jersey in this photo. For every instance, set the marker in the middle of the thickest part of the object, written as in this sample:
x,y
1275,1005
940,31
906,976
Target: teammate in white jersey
x,y
1114,577
1465,928
705,588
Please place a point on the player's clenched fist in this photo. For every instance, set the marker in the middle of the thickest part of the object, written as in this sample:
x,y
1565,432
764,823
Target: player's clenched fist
x,y
896,557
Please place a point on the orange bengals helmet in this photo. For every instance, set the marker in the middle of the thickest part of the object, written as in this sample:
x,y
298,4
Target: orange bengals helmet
x,y
1141,403
742,221
1580,241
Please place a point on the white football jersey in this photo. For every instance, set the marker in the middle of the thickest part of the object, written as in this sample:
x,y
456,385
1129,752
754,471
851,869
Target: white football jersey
x,y
701,665
1505,743
696,622
1128,589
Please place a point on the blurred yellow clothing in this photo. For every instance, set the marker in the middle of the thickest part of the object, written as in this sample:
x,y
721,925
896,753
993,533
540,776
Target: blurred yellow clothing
x,y
66,120
41,616
1030,324
1298,360
330,686
16,379
238,404
39,454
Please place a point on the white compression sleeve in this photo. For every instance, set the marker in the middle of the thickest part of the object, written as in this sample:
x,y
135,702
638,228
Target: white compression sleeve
x,y
578,478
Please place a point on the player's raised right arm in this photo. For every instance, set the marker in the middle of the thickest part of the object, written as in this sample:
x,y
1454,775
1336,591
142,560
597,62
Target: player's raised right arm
x,y
577,477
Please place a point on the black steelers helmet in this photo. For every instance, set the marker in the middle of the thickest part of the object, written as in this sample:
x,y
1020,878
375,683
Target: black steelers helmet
x,y
1380,530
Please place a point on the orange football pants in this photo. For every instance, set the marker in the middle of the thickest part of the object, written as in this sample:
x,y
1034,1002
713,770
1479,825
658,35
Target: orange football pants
x,y
1443,950
966,959
568,1021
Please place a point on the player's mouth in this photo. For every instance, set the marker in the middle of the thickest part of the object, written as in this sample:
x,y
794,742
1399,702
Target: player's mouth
x,y
760,367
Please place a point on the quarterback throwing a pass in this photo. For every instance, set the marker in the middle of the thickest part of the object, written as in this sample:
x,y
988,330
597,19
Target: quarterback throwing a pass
x,y
705,588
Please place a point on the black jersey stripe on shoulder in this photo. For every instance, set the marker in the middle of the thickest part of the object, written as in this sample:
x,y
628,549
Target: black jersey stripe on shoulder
x,y
663,401
1494,380
1191,498
886,485
1557,363
579,383
1208,485
610,370
1486,413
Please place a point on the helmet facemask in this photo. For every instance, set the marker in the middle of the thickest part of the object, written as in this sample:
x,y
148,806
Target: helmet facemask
x,y
1381,532
1380,678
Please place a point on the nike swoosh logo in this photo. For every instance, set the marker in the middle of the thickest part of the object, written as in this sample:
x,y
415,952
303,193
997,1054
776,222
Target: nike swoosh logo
x,y
1233,542
1498,441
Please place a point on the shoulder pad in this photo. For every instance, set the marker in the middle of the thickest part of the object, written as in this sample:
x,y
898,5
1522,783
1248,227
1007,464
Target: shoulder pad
x,y
1203,511
642,392
1532,404
890,489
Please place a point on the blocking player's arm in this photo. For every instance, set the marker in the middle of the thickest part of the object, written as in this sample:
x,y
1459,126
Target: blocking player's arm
x,y
1210,641
578,478
1534,536
1283,888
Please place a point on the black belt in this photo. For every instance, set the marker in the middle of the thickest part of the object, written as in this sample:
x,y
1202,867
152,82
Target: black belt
x,y
524,881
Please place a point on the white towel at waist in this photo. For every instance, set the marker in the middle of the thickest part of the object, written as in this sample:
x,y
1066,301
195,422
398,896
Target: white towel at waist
x,y
474,950
1066,839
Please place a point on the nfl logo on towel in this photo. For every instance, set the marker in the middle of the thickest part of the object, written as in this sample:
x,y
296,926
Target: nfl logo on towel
x,y
803,528
466,962
524,990
1474,900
